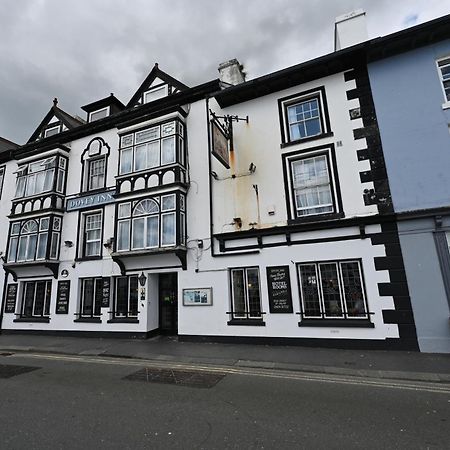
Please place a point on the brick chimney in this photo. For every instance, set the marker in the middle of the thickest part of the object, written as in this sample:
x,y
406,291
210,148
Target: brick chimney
x,y
350,29
231,72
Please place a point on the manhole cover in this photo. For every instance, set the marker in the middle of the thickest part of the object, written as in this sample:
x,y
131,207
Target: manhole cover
x,y
176,376
6,354
7,371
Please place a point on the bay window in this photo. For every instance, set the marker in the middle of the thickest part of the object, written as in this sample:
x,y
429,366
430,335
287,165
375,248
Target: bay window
x,y
39,177
151,223
29,239
153,147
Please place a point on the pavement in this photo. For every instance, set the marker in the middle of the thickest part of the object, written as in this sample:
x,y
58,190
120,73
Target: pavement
x,y
401,365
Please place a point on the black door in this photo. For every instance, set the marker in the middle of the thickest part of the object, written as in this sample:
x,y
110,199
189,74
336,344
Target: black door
x,y
168,303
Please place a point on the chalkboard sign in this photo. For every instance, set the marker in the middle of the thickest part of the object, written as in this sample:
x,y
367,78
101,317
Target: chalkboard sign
x,y
11,297
106,292
62,297
279,285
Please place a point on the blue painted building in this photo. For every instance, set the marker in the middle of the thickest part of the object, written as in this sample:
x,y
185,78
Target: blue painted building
x,y
411,92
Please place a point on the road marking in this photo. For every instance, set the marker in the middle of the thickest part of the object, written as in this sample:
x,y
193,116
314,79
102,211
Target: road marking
x,y
254,371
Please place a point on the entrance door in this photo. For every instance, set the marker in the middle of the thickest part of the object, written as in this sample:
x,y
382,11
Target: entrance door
x,y
168,303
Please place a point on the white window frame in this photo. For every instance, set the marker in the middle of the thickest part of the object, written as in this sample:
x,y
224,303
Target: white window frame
x,y
446,103
164,89
90,163
107,109
85,239
47,130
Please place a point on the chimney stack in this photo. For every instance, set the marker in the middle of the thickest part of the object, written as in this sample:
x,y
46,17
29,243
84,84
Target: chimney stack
x,y
231,72
350,29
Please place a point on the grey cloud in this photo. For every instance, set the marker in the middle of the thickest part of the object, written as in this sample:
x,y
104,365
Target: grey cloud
x,y
81,51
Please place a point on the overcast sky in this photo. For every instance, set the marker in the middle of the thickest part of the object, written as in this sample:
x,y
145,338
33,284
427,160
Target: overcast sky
x,y
80,51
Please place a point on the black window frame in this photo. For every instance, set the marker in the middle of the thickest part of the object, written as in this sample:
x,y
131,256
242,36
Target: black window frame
x,y
97,298
45,314
245,317
322,319
298,98
130,315
291,157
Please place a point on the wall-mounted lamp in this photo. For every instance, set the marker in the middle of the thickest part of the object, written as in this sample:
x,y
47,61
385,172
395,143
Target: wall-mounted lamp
x,y
68,243
252,168
109,243
142,279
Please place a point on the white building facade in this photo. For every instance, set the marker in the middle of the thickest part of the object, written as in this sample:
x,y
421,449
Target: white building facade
x,y
255,211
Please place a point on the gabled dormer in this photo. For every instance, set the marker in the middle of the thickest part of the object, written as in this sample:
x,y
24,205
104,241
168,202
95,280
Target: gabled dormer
x,y
56,121
158,84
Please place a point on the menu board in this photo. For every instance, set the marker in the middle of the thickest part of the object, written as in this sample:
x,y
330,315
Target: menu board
x,y
62,297
106,292
11,297
279,286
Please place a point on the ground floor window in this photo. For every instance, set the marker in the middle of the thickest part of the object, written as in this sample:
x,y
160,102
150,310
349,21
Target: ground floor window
x,y
126,297
245,293
36,299
332,289
91,297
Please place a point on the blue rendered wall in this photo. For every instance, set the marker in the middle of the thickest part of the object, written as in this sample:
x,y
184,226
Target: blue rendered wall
x,y
414,127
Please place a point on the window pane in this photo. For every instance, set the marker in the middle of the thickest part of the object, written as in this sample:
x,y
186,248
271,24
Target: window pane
x,y
44,224
237,280
42,246
31,185
124,235
20,187
140,157
331,291
12,249
121,296
153,154
152,231
97,174
254,303
28,299
168,229
22,248
88,297
168,151
93,249
168,202
48,180
31,247
133,311
54,246
353,292
138,233
126,159
310,290
98,296
39,298
124,210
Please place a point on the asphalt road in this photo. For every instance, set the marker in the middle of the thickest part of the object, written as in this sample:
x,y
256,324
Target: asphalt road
x,y
85,403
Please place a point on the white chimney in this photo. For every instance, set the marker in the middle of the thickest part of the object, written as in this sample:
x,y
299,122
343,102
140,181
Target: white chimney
x,y
231,72
350,29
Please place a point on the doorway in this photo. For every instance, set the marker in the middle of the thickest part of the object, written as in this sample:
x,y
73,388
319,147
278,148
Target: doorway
x,y
168,303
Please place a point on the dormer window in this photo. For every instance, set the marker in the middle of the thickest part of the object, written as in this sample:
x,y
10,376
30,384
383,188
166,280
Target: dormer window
x,y
99,114
51,131
156,93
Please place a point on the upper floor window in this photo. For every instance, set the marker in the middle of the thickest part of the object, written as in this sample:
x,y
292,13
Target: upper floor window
x,y
2,176
153,147
99,114
313,183
94,159
151,223
155,93
39,176
444,73
304,116
34,239
92,234
52,131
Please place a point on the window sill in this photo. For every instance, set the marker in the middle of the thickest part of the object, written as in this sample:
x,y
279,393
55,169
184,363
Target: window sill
x,y
33,319
446,105
308,139
247,322
337,323
316,218
123,320
88,320
88,258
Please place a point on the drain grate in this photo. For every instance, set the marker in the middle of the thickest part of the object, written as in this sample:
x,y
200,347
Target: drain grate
x,y
176,376
7,371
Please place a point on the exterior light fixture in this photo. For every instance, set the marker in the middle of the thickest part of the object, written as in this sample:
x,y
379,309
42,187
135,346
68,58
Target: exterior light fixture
x,y
142,279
